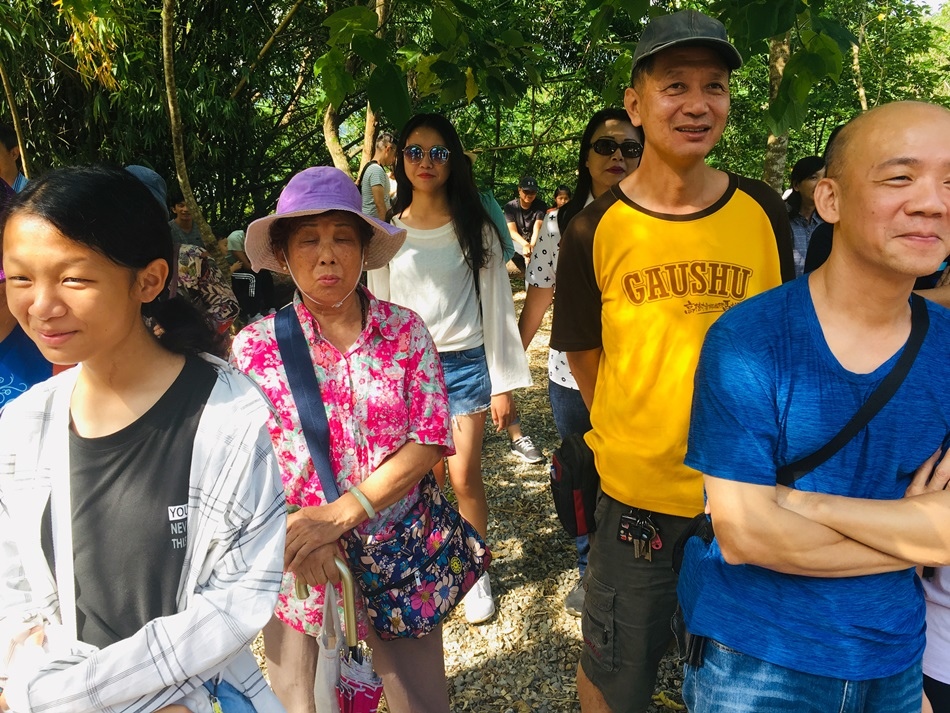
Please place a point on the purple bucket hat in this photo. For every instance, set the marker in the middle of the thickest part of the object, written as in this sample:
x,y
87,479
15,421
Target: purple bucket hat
x,y
314,191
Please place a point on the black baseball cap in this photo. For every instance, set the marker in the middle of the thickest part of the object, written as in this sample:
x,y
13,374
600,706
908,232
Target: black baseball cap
x,y
686,27
528,184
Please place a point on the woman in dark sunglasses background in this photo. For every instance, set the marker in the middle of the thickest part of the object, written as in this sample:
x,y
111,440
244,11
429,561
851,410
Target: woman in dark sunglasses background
x,y
451,272
610,149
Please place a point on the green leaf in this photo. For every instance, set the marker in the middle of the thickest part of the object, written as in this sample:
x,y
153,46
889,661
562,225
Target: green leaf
x,y
471,86
636,9
838,32
512,38
601,22
453,91
427,81
336,82
445,25
750,21
619,79
371,48
465,9
345,24
387,91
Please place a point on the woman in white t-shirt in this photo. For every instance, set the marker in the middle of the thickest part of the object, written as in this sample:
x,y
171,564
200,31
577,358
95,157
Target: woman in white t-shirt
x,y
610,149
450,271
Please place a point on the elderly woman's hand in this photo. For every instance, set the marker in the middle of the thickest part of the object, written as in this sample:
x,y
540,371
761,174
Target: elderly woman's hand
x,y
308,529
319,566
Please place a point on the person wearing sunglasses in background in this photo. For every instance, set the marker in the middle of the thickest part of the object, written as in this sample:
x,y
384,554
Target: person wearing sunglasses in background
x,y
610,149
450,272
644,271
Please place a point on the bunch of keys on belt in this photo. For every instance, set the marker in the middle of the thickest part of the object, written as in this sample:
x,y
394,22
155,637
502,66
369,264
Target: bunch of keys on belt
x,y
638,529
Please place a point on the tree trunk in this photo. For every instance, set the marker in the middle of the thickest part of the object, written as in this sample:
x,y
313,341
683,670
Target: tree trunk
x,y
174,120
856,67
776,152
372,121
331,135
15,118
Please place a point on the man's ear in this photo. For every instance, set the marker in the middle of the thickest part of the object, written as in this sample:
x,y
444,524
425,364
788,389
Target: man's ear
x,y
15,152
631,102
828,199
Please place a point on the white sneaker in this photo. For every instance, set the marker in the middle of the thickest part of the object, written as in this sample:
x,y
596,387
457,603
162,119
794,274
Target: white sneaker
x,y
479,605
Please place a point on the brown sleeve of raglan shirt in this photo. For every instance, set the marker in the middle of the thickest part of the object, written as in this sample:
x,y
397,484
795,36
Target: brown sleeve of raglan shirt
x,y
576,324
774,207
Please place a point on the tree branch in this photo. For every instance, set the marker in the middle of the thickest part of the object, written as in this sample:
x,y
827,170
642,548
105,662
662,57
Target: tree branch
x,y
266,48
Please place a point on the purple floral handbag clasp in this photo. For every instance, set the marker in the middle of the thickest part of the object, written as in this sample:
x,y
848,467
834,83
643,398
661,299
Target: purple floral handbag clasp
x,y
413,579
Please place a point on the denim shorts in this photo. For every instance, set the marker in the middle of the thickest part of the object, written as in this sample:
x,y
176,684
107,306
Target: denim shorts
x,y
467,381
732,682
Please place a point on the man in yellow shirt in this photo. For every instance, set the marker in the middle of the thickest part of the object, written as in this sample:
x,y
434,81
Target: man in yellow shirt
x,y
643,272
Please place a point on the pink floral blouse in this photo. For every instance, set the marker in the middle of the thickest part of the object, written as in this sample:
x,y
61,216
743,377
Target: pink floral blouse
x,y
388,389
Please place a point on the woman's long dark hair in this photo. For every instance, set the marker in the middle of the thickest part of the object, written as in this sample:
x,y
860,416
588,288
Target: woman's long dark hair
x,y
468,214
112,212
584,182
802,169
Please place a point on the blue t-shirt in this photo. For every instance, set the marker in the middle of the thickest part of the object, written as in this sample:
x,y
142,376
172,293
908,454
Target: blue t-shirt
x,y
768,392
21,365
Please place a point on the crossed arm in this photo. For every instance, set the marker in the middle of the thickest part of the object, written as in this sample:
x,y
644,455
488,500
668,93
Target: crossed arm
x,y
820,535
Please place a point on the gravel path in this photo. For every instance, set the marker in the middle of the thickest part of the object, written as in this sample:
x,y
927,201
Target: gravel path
x,y
524,659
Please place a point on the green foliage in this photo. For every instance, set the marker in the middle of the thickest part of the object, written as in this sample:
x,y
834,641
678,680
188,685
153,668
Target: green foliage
x,y
519,79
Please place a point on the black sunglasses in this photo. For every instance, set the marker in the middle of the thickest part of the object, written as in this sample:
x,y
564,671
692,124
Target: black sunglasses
x,y
415,153
629,148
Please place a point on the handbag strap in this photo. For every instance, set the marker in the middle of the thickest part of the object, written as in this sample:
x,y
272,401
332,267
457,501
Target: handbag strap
x,y
920,321
302,379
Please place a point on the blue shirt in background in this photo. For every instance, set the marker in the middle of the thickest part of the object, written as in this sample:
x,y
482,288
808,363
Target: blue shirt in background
x,y
768,392
21,365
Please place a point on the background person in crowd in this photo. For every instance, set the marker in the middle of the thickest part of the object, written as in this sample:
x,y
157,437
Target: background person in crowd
x,y
154,531
196,275
202,283
562,194
936,664
807,597
610,149
381,385
801,206
643,272
374,180
254,291
519,444
9,159
495,213
524,215
449,271
21,362
184,228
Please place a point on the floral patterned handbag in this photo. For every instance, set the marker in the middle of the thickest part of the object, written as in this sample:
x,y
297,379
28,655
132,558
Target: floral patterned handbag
x,y
428,561
415,577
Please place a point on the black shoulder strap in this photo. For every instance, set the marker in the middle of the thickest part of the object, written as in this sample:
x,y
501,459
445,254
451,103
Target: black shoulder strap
x,y
920,321
302,379
359,180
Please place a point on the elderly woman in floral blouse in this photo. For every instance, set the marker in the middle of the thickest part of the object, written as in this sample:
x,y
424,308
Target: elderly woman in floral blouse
x,y
382,387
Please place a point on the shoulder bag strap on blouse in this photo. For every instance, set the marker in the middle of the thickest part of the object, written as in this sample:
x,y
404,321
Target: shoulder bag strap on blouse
x,y
295,354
